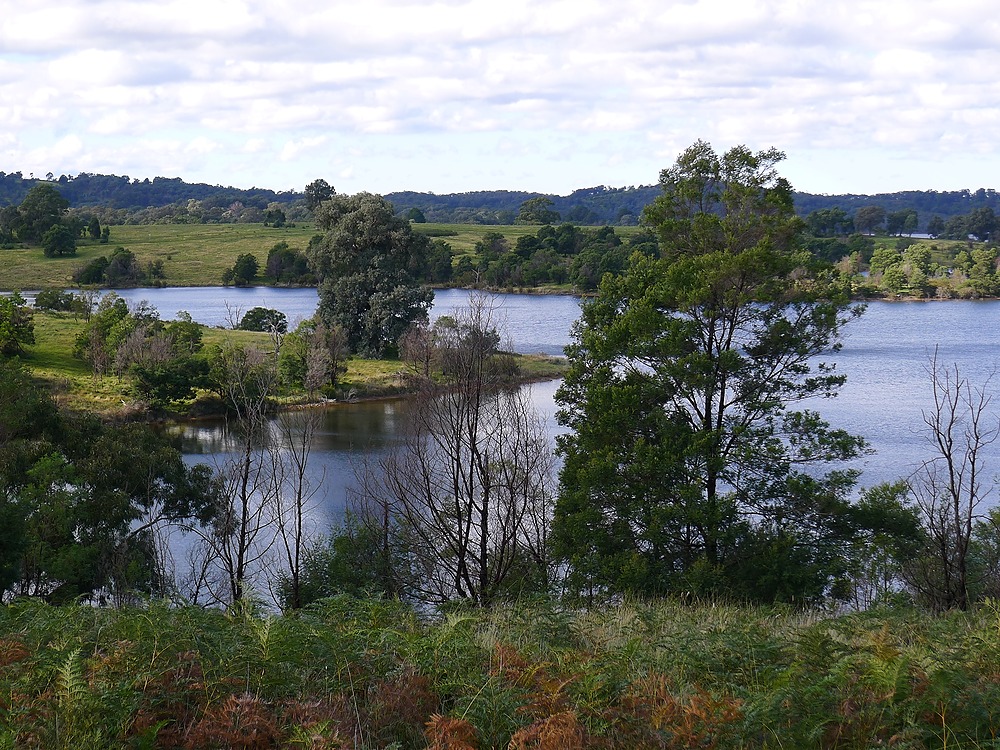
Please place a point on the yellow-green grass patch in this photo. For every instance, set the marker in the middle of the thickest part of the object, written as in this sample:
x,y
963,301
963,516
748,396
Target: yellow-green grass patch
x,y
192,254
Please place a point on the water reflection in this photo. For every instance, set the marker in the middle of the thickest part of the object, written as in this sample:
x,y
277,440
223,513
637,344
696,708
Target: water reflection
x,y
885,355
534,323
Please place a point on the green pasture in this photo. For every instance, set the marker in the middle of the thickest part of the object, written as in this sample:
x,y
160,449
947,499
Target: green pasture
x,y
192,254
197,254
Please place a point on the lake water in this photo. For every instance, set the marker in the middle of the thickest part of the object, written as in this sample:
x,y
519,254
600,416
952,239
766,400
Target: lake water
x,y
535,323
885,357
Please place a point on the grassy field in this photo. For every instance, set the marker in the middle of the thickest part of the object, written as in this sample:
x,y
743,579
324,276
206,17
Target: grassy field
x,y
71,380
192,254
197,254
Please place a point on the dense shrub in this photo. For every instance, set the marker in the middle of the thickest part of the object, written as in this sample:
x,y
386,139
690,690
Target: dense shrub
x,y
356,673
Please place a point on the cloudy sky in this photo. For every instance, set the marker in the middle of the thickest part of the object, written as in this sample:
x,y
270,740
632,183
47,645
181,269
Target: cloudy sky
x,y
542,95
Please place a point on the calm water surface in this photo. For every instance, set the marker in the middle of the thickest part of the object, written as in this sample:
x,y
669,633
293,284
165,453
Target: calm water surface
x,y
535,323
885,357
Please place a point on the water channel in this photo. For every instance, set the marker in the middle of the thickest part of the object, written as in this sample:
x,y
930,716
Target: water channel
x,y
885,357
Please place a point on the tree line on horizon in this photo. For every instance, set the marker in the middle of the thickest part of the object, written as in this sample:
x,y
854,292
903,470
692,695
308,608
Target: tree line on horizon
x,y
122,199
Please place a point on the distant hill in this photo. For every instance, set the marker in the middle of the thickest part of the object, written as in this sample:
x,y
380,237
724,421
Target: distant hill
x,y
604,205
113,191
596,206
588,206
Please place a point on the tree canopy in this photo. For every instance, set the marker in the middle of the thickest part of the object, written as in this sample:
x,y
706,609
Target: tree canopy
x,y
368,264
41,209
17,327
685,468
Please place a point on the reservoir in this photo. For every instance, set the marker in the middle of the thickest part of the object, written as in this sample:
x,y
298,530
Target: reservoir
x,y
885,356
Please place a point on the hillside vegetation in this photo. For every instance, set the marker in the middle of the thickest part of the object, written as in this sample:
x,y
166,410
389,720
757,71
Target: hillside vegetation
x,y
363,674
120,196
199,254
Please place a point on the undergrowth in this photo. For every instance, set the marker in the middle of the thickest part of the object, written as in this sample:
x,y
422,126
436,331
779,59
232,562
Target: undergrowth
x,y
363,674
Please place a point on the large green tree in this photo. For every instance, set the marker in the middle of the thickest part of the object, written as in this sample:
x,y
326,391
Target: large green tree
x,y
17,326
684,470
369,263
80,500
58,239
317,192
41,209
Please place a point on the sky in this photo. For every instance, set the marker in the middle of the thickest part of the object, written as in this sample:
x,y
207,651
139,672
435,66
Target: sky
x,y
538,95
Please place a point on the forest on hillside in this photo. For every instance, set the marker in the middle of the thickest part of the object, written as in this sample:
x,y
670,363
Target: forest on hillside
x,y
126,199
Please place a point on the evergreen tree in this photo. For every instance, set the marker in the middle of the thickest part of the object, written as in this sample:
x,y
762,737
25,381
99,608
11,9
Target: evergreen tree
x,y
368,264
684,470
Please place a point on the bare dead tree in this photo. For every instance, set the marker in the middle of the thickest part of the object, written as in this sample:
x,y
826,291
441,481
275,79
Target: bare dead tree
x,y
141,346
294,496
241,533
234,314
417,349
463,503
949,488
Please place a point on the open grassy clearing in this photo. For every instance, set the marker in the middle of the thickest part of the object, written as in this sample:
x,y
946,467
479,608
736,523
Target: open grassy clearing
x,y
192,254
197,254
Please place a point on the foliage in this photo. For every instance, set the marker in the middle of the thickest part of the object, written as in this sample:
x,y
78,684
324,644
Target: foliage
x,y
553,255
84,500
275,217
17,326
343,563
41,209
439,266
170,381
58,240
264,319
684,470
122,269
369,263
243,272
117,336
288,265
537,211
314,357
318,192
57,300
921,269
357,674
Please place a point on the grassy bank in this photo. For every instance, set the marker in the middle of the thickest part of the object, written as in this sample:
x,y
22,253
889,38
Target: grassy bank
x,y
76,387
372,674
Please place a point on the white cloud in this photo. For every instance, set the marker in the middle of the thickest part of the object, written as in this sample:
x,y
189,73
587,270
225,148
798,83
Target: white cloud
x,y
630,84
293,149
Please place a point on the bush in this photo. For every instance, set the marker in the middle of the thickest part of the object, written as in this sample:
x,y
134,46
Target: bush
x,y
55,299
264,319
59,240
243,272
16,325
